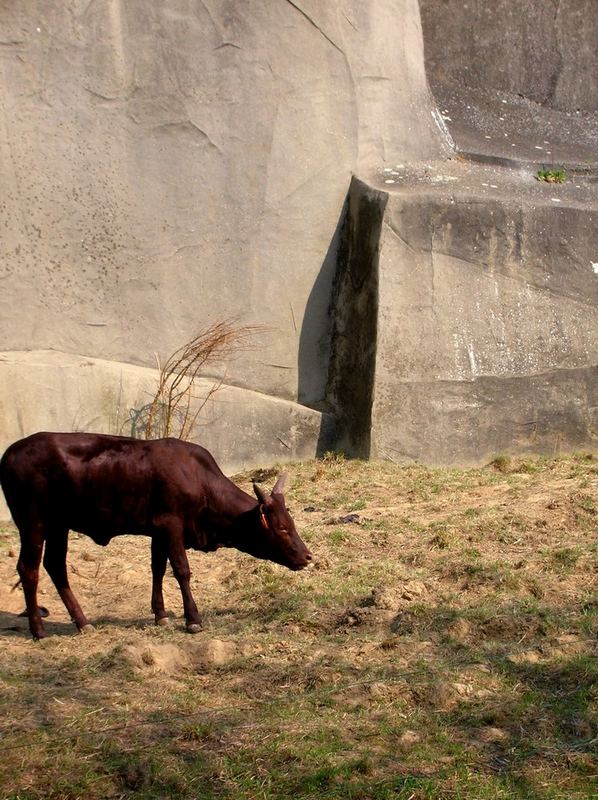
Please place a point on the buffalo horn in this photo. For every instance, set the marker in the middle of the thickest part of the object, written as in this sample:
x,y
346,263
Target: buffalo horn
x,y
279,485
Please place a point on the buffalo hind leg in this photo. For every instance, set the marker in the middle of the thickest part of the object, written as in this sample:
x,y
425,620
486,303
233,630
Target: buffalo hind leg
x,y
55,564
182,572
159,558
32,545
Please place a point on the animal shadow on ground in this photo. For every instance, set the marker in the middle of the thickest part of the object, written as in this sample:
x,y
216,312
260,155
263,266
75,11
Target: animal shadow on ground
x,y
13,624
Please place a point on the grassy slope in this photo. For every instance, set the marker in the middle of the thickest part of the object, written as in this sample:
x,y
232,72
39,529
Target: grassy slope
x,y
443,646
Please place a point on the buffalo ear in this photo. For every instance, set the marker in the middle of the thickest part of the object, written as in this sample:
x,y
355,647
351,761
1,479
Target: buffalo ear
x,y
260,494
279,485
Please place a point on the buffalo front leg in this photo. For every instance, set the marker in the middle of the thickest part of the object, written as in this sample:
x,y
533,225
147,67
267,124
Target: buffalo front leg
x,y
159,558
182,572
55,564
32,545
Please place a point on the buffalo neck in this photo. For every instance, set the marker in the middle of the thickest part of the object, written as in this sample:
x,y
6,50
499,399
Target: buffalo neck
x,y
230,529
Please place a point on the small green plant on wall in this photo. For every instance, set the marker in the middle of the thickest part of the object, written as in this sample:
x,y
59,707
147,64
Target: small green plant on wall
x,y
552,175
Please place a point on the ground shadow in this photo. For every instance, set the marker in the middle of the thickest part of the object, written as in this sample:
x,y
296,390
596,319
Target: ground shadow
x,y
12,624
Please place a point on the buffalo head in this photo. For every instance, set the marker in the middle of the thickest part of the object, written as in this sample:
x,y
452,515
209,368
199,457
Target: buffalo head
x,y
275,537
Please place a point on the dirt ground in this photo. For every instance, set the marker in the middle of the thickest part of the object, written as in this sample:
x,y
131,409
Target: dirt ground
x,y
442,644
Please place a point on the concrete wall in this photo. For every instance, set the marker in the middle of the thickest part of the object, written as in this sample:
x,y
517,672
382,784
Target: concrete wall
x,y
487,315
169,165
165,165
39,390
46,390
544,50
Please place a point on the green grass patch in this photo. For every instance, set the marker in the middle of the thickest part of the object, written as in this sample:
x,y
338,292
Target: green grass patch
x,y
551,175
442,646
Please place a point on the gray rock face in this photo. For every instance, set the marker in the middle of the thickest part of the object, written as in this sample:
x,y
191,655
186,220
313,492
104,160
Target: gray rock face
x,y
516,82
544,51
46,390
169,164
484,303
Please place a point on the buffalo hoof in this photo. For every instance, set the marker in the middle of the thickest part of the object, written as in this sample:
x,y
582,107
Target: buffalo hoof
x,y
39,635
193,627
87,628
164,622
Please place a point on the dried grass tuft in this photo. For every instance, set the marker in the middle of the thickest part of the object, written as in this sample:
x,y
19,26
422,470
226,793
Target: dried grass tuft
x,y
176,406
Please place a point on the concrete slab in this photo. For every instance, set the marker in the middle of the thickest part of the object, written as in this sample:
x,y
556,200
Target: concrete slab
x,y
482,290
49,390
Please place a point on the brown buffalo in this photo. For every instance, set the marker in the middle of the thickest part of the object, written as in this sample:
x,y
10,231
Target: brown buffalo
x,y
167,489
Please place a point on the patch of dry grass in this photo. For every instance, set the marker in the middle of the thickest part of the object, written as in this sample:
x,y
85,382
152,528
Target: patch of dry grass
x,y
443,645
